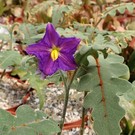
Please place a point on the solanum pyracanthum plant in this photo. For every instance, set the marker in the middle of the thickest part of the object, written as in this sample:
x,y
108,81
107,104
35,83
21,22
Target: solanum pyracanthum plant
x,y
96,75
73,50
55,53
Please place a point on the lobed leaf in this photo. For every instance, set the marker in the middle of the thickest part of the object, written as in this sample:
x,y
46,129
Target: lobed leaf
x,y
104,83
100,43
58,13
29,31
43,6
129,96
39,85
26,122
120,7
9,58
27,71
72,33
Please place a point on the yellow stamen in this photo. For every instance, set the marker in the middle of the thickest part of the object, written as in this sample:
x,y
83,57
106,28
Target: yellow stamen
x,y
54,54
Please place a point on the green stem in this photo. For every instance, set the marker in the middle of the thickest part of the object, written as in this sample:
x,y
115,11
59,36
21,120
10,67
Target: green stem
x,y
67,89
83,117
64,110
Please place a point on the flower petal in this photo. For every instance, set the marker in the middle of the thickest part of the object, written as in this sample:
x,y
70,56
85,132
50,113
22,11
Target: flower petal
x,y
47,66
68,44
51,37
42,50
36,49
66,62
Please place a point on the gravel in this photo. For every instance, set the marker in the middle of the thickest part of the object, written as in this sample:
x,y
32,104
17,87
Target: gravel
x,y
11,93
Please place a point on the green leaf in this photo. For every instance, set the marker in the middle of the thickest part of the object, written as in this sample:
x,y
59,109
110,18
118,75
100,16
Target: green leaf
x,y
104,83
9,58
83,53
39,85
130,95
26,122
75,33
120,7
81,58
43,6
81,27
58,13
28,30
37,37
5,37
27,71
101,43
26,68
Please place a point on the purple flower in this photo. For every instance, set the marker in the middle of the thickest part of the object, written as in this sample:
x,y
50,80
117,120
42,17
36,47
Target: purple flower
x,y
54,52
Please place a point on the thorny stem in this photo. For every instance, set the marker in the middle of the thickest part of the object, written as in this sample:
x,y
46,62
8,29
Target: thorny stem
x,y
67,89
83,117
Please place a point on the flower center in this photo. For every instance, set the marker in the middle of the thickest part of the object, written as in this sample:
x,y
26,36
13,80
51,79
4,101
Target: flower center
x,y
55,53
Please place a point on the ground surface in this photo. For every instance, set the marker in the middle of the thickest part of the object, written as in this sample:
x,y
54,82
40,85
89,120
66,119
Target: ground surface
x,y
12,92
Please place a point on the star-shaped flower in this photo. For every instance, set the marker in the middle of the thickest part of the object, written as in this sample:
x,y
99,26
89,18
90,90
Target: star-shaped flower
x,y
54,52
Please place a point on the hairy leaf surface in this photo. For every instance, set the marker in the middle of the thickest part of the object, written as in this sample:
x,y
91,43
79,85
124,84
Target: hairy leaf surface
x,y
39,85
103,80
58,13
26,122
9,58
120,7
